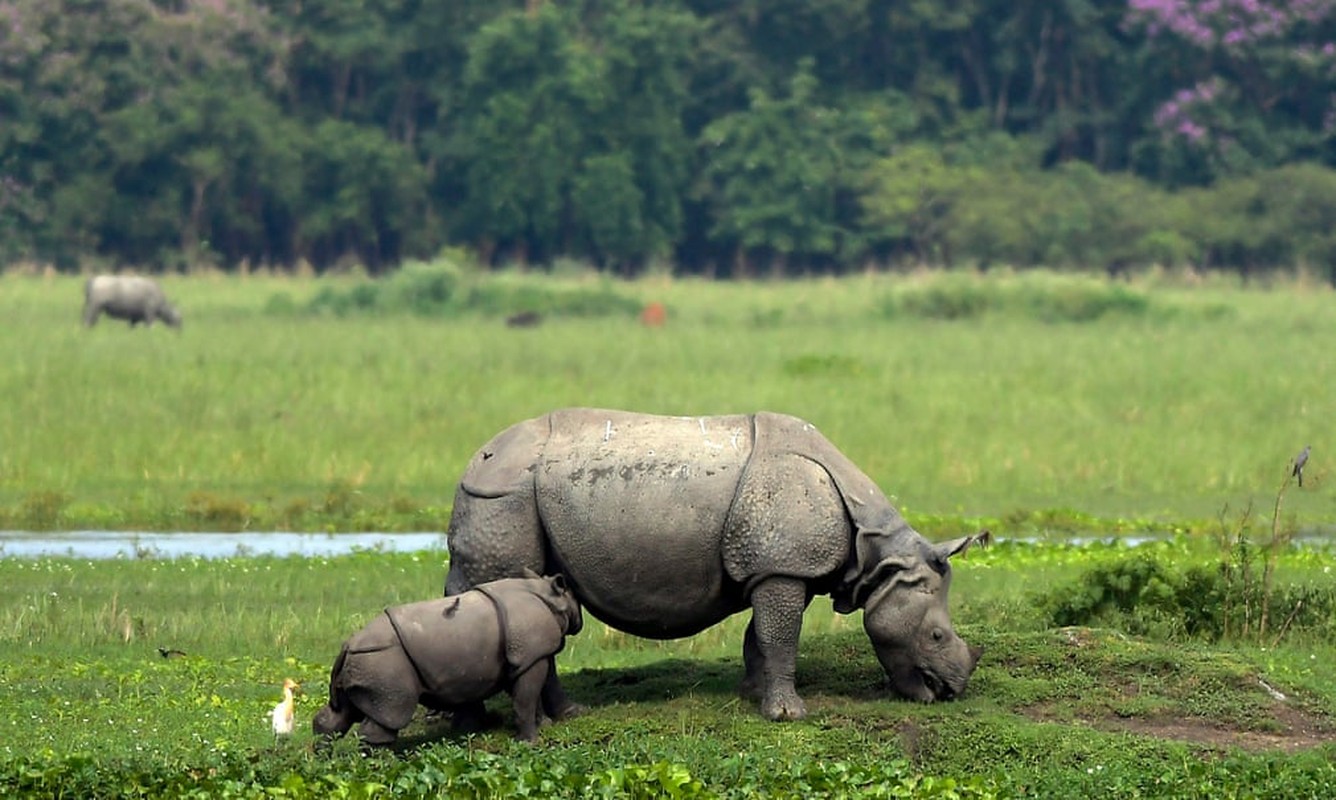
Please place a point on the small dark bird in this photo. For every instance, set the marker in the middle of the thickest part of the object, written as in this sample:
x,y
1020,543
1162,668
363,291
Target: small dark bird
x,y
1299,462
166,652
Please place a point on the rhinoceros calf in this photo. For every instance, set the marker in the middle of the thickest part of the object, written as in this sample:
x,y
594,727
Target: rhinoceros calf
x,y
128,297
666,525
451,654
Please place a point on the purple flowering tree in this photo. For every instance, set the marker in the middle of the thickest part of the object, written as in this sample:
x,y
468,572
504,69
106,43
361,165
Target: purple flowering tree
x,y
1256,78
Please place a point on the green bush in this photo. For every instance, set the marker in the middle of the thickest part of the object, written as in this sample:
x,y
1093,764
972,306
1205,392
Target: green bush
x,y
1080,302
1065,299
441,289
946,300
1117,594
1145,596
503,299
423,289
446,771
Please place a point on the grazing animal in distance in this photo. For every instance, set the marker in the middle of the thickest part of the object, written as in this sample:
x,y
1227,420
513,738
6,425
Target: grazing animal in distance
x,y
665,526
129,297
524,319
284,714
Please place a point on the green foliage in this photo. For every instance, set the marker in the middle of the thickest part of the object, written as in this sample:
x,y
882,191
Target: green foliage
x,y
207,511
94,711
1005,421
569,133
781,172
41,510
946,301
734,138
1075,299
1146,596
823,366
1136,587
441,290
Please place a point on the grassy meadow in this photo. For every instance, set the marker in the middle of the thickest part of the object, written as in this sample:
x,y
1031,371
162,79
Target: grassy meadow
x,y
93,709
258,416
1043,407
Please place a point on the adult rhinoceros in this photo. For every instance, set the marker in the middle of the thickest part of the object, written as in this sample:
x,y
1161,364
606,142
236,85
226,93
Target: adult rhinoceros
x,y
664,526
128,297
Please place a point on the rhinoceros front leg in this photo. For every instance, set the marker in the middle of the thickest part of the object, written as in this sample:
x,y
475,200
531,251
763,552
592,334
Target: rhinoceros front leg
x,y
770,648
556,704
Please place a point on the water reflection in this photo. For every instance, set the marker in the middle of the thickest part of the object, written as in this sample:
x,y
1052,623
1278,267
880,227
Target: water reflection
x,y
123,544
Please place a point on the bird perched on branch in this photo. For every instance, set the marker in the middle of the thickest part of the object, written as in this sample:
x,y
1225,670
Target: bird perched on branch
x,y
1299,462
283,713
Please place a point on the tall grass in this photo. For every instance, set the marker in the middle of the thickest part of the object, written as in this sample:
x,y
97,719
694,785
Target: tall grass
x,y
1161,407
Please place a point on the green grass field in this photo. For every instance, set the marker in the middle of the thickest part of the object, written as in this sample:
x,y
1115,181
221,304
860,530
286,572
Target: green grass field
x,y
257,419
92,709
1037,405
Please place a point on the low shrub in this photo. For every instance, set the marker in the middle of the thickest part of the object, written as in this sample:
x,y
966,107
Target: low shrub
x,y
1144,595
496,298
213,512
453,772
442,290
41,510
1078,302
1046,299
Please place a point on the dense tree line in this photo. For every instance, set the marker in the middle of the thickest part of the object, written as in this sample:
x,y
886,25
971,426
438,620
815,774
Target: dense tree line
x,y
725,137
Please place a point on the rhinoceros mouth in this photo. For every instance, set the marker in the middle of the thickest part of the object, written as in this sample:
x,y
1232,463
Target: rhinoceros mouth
x,y
938,688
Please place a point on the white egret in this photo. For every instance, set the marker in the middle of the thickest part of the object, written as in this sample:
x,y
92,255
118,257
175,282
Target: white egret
x,y
283,713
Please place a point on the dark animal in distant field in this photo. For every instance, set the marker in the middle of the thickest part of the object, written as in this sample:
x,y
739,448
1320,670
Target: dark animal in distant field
x,y
664,526
451,654
127,297
524,319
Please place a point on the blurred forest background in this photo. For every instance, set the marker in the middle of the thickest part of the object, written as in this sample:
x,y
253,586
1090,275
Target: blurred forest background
x,y
716,137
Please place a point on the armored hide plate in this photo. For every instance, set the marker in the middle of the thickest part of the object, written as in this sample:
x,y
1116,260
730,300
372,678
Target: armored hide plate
x,y
609,482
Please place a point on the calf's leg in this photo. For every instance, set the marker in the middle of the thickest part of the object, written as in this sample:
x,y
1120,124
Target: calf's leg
x,y
525,693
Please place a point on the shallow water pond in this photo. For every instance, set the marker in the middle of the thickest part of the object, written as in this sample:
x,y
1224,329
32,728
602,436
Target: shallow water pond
x,y
132,544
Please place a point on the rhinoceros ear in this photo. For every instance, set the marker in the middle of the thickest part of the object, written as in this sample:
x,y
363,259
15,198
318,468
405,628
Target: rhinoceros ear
x,y
956,547
886,570
528,573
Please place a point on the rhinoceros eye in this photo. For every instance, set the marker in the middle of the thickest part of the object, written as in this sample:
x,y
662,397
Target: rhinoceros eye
x,y
937,634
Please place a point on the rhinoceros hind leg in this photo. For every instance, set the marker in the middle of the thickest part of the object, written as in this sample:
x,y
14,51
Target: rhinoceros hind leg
x,y
374,733
491,538
752,680
331,723
469,717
